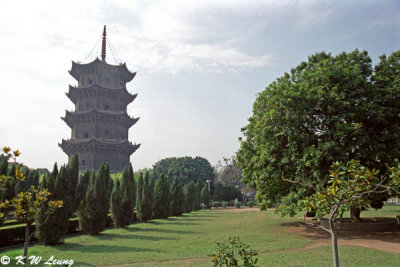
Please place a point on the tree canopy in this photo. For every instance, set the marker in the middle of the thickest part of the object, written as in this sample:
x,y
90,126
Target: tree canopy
x,y
327,109
185,168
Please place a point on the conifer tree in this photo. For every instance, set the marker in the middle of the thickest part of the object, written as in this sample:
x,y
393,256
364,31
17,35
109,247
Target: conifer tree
x,y
4,166
133,188
151,194
73,173
93,209
82,186
189,196
161,198
50,229
116,205
147,198
177,198
139,198
9,193
126,199
196,197
205,197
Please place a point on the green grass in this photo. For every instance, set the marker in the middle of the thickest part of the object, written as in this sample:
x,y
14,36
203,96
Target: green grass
x,y
186,241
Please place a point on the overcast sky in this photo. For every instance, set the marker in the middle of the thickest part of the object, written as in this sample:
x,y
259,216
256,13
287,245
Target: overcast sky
x,y
200,64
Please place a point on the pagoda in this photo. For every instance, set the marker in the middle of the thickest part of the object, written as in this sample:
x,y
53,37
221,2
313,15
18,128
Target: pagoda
x,y
100,123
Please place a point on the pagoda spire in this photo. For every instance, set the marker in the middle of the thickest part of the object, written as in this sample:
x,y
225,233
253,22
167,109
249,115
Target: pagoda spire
x,y
103,45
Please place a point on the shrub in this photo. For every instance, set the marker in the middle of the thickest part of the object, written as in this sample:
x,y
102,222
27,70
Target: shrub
x,y
224,204
216,204
238,204
251,204
231,252
231,203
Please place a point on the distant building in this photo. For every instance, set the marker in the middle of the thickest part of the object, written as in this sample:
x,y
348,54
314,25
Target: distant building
x,y
100,123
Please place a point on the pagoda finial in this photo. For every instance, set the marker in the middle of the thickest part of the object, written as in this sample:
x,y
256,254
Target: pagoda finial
x,y
103,46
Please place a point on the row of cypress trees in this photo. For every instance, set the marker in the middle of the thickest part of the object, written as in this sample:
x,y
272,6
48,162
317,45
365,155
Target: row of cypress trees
x,y
93,195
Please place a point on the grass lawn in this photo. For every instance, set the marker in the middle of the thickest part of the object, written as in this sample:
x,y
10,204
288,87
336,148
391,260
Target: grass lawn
x,y
186,241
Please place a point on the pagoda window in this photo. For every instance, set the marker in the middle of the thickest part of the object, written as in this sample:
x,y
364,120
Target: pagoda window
x,y
106,132
83,162
87,104
85,135
90,81
106,107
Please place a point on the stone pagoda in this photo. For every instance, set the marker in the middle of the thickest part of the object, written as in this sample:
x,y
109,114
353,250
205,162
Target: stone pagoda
x,y
100,123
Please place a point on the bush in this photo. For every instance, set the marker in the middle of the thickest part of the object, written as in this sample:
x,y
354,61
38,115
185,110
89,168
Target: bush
x,y
238,204
224,204
231,203
251,204
232,251
216,204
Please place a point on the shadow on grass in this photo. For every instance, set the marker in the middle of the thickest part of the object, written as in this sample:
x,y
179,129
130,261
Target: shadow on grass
x,y
166,222
142,237
156,230
315,232
102,248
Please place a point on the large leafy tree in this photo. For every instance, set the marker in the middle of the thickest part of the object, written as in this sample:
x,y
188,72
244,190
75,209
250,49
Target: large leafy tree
x,y
330,108
185,168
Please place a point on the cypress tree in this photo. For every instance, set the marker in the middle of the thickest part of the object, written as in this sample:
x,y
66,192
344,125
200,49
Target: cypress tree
x,y
93,209
73,173
9,193
50,229
205,197
133,188
4,166
139,198
82,186
147,198
196,197
161,198
116,205
189,196
151,194
126,199
177,198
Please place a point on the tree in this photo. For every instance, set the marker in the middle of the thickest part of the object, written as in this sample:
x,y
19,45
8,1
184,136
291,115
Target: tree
x,y
26,205
330,108
73,178
177,198
50,229
196,197
185,168
147,196
139,198
82,186
205,197
161,199
133,188
93,209
189,196
349,185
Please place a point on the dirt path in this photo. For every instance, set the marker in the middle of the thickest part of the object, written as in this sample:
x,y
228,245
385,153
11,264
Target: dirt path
x,y
385,241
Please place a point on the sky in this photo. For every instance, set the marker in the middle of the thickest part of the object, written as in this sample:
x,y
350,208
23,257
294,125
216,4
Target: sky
x,y
200,64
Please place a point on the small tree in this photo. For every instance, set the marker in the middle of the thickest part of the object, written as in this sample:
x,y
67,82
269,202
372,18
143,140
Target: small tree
x,y
177,198
133,188
161,198
196,197
189,196
205,197
349,185
147,198
139,198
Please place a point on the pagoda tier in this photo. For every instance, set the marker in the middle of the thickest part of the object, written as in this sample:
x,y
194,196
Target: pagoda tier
x,y
95,90
98,145
98,66
98,116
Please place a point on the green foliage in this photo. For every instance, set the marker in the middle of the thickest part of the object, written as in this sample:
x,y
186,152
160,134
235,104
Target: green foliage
x,y
93,209
82,186
177,198
226,193
147,196
121,201
133,188
161,198
216,204
139,198
232,252
224,204
205,197
185,168
189,196
73,178
197,197
238,204
251,204
330,108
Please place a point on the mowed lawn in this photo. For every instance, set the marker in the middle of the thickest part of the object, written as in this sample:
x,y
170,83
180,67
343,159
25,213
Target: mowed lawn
x,y
186,241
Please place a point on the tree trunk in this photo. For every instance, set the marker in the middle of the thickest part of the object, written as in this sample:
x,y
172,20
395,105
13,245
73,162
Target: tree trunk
x,y
26,243
334,243
355,214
